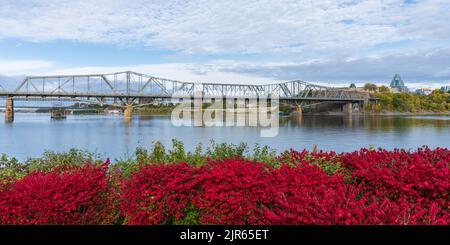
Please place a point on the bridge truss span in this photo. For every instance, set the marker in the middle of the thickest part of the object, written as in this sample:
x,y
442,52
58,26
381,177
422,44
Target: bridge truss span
x,y
130,87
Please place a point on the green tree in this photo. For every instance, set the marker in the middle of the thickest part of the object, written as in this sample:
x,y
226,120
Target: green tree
x,y
384,89
407,102
370,87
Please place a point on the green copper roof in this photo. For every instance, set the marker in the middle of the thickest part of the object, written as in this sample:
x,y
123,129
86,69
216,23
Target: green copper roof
x,y
397,82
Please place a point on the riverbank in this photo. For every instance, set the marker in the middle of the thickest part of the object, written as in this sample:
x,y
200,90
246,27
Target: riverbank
x,y
227,186
389,113
168,110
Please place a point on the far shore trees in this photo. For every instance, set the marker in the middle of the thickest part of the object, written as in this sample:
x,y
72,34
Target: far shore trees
x,y
370,87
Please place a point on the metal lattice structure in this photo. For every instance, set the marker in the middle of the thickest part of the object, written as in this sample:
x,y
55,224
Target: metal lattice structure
x,y
124,88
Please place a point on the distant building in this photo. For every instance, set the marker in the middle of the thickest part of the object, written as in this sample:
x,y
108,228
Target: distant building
x,y
424,91
397,84
352,85
445,89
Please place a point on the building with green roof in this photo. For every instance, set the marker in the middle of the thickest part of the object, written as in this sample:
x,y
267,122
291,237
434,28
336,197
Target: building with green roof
x,y
398,84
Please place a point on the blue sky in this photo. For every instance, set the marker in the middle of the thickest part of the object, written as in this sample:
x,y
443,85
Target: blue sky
x,y
240,41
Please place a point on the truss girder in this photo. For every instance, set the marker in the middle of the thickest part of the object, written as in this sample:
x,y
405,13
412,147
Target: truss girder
x,y
132,84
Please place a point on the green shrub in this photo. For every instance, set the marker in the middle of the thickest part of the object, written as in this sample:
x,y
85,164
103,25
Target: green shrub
x,y
11,168
157,154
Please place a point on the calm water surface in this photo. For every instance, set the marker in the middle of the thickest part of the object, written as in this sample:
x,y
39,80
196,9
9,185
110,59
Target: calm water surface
x,y
109,135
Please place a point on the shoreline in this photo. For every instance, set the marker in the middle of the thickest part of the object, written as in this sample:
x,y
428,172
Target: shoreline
x,y
391,113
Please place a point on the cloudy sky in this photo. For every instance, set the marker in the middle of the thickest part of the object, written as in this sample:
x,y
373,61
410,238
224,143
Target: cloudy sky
x,y
235,41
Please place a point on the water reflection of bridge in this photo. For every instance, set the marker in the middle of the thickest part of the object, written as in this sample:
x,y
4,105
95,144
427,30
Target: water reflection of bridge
x,y
130,89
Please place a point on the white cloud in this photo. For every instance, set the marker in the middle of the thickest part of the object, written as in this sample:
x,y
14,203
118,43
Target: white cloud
x,y
187,72
14,67
323,40
418,69
335,73
248,26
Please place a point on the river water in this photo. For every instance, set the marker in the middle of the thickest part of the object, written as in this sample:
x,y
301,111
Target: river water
x,y
111,136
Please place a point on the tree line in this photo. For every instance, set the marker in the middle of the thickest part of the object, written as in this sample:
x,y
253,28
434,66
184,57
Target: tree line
x,y
437,101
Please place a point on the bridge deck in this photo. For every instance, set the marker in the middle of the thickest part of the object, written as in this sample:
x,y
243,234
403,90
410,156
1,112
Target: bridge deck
x,y
25,96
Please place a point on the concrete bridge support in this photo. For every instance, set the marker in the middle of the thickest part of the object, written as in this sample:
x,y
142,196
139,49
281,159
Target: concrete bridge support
x,y
347,108
128,112
298,110
58,113
297,119
9,113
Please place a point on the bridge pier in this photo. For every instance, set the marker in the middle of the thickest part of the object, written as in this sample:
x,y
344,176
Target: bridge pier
x,y
128,112
347,108
9,113
298,110
58,113
297,119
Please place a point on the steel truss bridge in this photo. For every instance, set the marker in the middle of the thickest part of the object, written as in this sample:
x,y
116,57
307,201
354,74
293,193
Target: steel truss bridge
x,y
132,88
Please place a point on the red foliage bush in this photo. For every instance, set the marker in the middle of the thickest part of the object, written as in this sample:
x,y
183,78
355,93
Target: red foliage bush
x,y
424,173
382,210
235,191
243,192
370,187
75,195
305,194
158,194
385,187
404,187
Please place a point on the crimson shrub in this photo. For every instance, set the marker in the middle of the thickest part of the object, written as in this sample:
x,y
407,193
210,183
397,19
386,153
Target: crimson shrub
x,y
70,195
